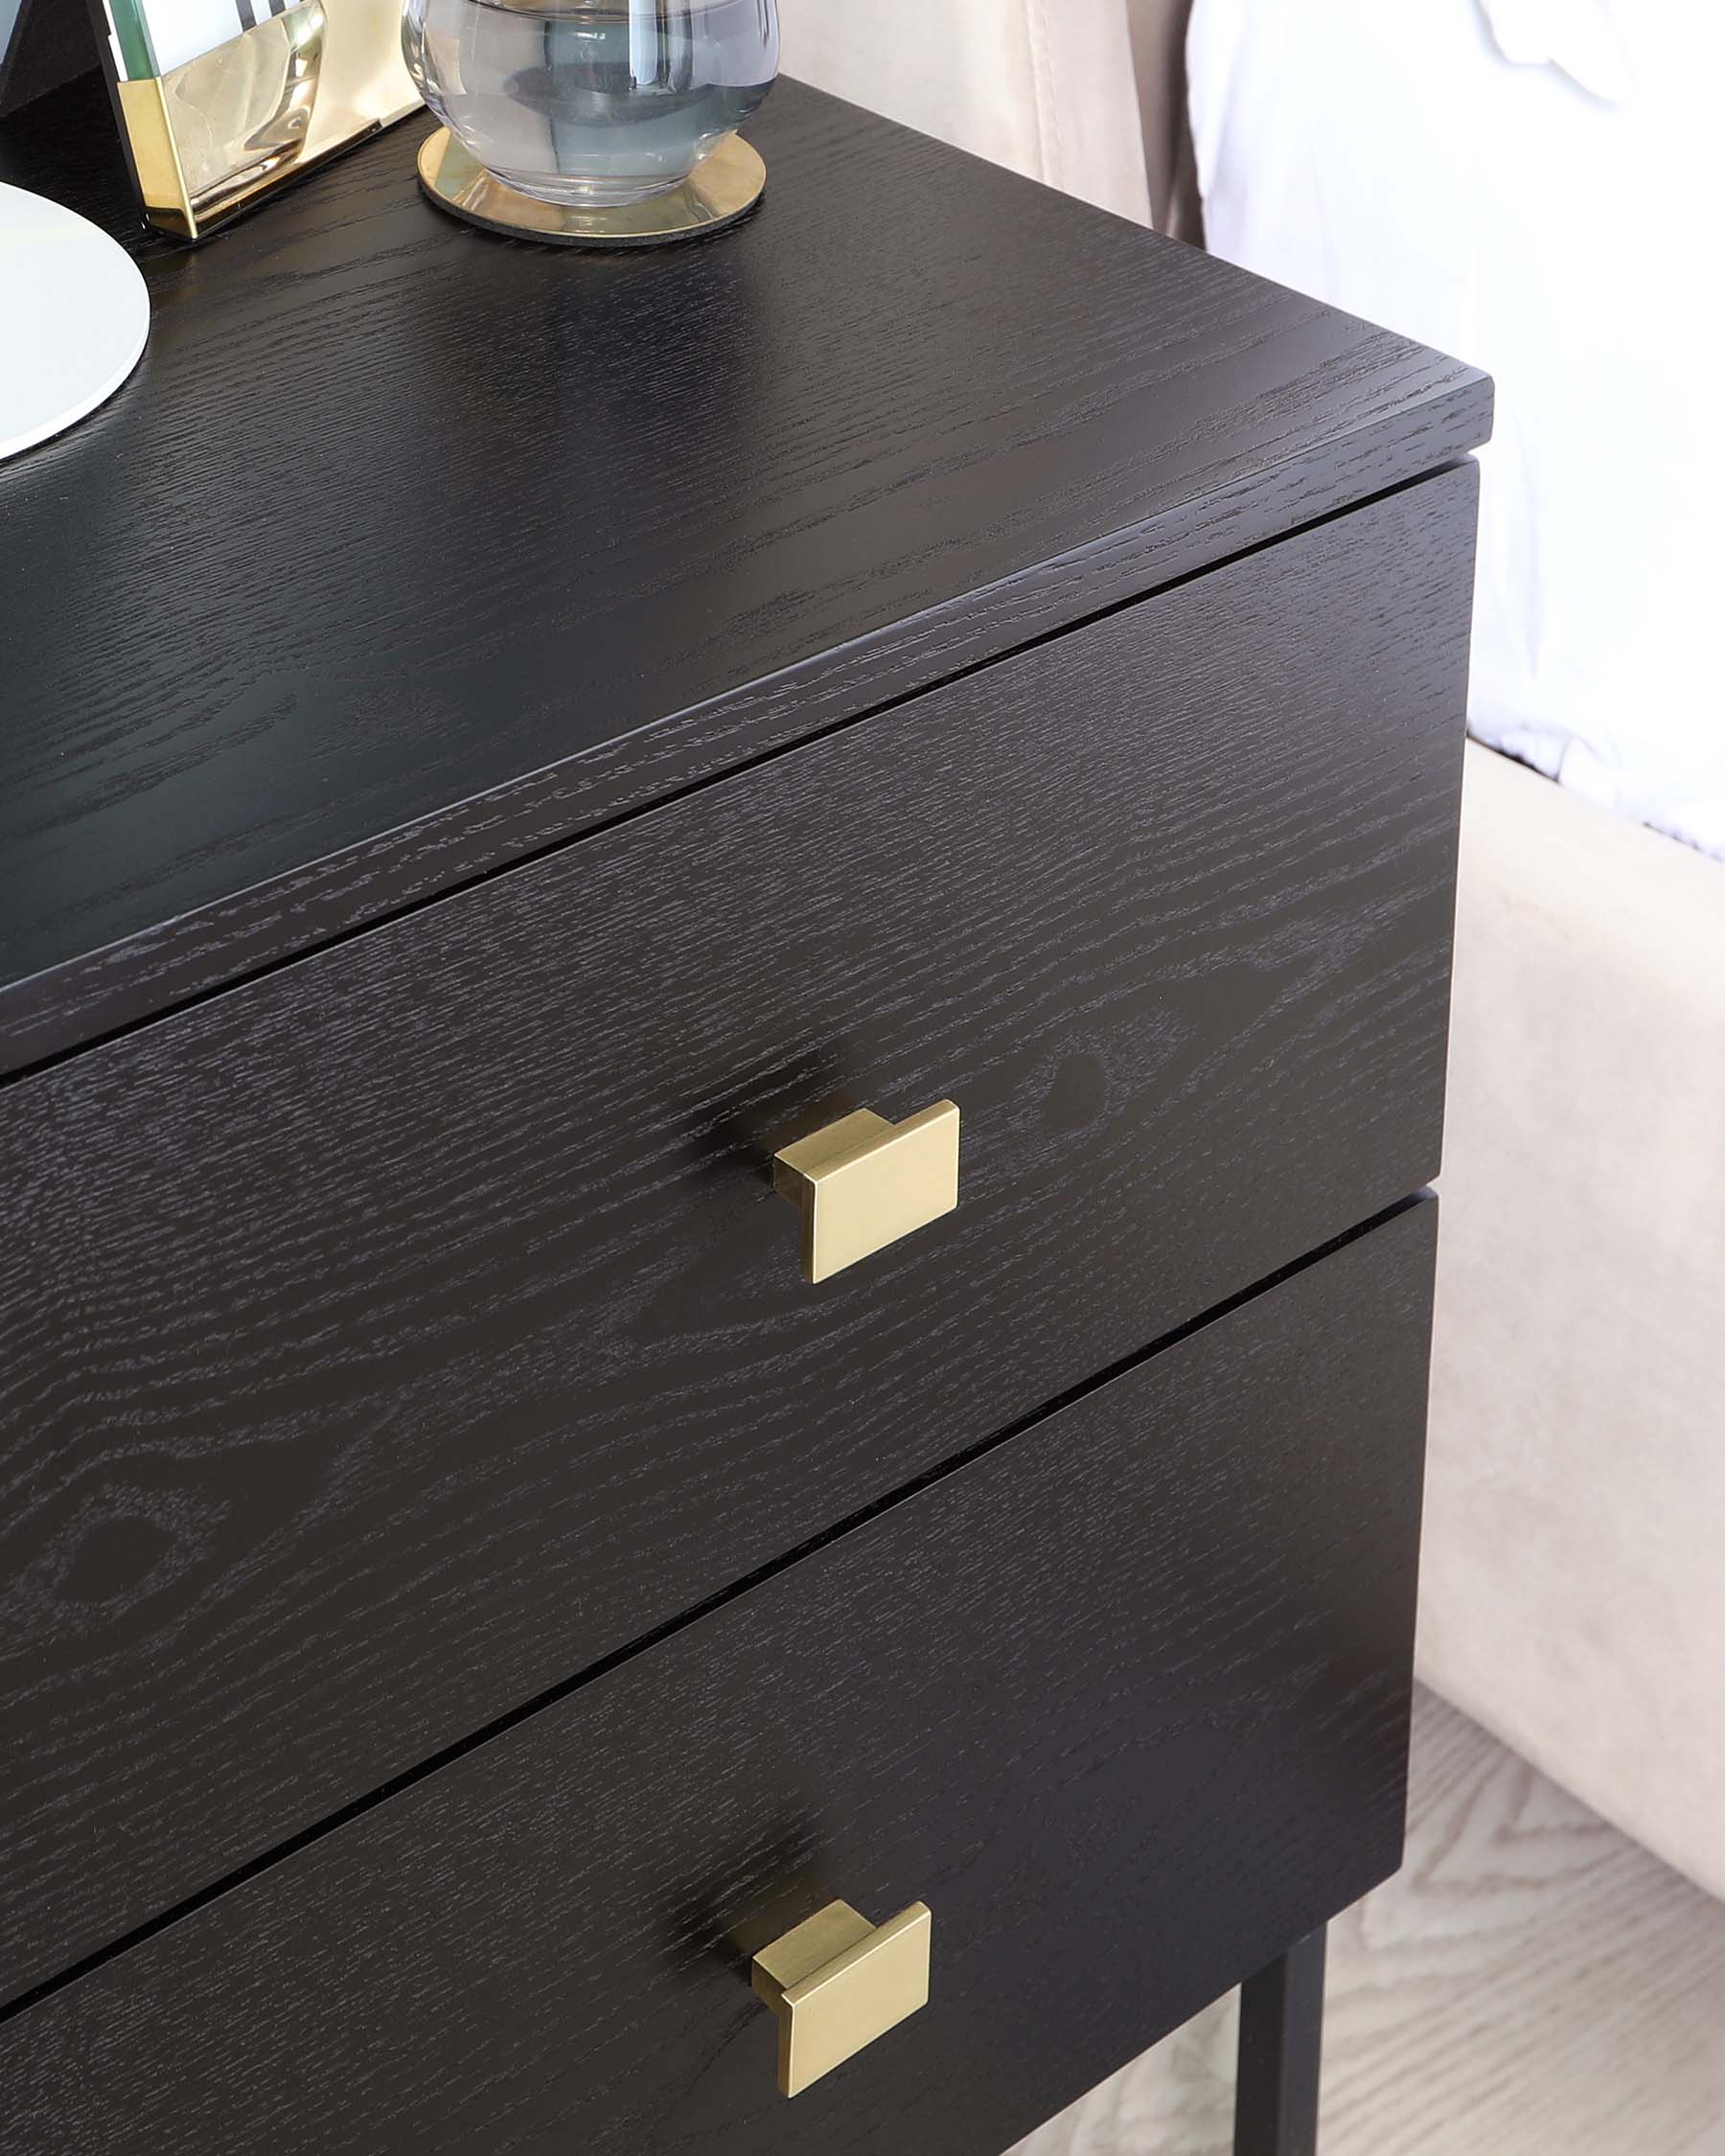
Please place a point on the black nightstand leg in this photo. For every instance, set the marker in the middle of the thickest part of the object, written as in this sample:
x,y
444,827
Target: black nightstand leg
x,y
1282,2043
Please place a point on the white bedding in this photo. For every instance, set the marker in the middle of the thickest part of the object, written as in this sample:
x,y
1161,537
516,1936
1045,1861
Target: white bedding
x,y
1534,185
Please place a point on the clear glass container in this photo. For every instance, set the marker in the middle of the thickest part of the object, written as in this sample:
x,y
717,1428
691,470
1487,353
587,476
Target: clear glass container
x,y
591,104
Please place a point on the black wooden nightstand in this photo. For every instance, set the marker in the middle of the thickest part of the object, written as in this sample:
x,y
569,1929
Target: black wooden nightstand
x,y
500,746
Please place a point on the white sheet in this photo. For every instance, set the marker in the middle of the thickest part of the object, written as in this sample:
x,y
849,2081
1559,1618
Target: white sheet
x,y
1536,185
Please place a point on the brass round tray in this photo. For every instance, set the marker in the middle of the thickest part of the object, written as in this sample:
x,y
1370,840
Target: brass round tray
x,y
723,187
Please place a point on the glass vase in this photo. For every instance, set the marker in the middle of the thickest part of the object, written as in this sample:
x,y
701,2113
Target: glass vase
x,y
592,105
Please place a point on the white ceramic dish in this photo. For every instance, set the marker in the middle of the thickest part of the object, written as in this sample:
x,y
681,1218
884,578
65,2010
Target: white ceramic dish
x,y
73,318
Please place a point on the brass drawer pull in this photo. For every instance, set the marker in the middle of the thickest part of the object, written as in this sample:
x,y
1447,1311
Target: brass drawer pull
x,y
863,1182
837,1982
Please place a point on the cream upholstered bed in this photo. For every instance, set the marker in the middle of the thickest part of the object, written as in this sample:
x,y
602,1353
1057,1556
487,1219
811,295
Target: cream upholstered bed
x,y
1574,1596
1529,182
1574,1592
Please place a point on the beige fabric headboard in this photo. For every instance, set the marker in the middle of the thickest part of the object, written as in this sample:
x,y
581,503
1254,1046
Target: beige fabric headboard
x,y
1044,86
1073,92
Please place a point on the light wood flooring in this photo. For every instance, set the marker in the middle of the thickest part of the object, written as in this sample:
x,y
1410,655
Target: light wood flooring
x,y
1532,1983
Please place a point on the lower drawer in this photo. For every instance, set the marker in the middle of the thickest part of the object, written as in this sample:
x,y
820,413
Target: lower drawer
x,y
1123,1701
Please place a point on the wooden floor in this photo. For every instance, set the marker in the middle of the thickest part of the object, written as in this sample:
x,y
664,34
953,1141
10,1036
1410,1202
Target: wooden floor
x,y
1531,1984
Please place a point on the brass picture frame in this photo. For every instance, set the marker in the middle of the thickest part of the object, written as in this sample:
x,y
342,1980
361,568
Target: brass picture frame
x,y
213,132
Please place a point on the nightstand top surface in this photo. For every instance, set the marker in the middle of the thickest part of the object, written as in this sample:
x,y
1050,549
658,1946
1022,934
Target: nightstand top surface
x,y
409,552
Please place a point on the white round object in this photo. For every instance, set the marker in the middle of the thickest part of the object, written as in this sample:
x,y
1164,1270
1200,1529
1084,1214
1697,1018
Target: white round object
x,y
73,318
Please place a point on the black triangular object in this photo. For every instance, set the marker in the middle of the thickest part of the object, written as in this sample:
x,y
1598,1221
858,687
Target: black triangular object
x,y
51,41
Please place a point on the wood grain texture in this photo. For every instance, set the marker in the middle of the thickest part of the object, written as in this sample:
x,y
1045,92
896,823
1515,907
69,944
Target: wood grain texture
x,y
390,1339
407,551
1531,1980
1125,1701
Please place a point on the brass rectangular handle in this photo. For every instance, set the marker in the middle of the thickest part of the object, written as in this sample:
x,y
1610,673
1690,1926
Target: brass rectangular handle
x,y
864,1183
837,1982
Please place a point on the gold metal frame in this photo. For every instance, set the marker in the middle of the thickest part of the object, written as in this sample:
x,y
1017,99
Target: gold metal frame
x,y
211,139
724,186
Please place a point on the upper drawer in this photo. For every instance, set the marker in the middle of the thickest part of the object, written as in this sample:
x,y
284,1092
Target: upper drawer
x,y
392,1338
1124,1702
